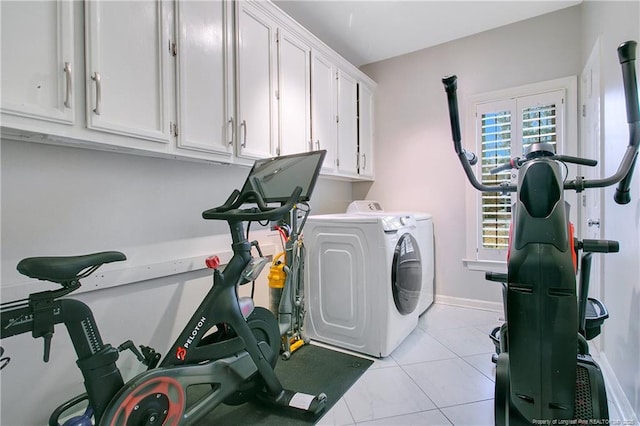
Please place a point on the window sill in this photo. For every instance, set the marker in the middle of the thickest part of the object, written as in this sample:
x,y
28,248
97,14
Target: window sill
x,y
485,265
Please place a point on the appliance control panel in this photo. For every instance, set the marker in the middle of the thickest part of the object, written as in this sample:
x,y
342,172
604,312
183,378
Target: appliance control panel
x,y
364,206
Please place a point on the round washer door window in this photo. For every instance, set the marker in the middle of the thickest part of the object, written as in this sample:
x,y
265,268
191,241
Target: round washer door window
x,y
406,274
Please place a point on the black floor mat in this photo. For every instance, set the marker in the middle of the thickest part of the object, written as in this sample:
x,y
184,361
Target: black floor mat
x,y
311,369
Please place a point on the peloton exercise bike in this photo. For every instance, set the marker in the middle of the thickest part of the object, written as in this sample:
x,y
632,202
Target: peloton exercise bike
x,y
228,343
544,372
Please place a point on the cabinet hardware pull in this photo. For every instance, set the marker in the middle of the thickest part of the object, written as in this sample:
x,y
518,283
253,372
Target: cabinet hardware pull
x,y
318,145
243,125
96,77
230,122
364,161
67,71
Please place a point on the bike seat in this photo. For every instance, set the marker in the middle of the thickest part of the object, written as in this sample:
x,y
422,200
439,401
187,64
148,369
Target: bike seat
x,y
66,269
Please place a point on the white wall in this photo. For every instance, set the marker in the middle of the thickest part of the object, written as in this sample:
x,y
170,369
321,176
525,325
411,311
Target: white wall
x,y
416,167
65,201
613,23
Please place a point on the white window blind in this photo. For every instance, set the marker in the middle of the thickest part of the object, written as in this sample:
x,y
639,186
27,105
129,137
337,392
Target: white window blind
x,y
504,128
496,149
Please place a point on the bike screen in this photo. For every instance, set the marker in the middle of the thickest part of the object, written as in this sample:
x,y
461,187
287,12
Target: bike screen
x,y
276,178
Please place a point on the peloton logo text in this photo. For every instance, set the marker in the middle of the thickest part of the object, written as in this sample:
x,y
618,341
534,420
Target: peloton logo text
x,y
181,352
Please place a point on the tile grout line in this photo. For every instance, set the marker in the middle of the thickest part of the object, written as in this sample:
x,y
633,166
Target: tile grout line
x,y
493,379
450,349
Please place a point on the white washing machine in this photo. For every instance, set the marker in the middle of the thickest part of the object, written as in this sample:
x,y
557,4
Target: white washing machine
x,y
426,244
362,281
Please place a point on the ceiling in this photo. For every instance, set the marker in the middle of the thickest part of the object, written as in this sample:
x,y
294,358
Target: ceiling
x,y
368,31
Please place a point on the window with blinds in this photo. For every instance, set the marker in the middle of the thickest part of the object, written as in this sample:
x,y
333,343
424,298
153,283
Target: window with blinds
x,y
505,128
496,149
539,124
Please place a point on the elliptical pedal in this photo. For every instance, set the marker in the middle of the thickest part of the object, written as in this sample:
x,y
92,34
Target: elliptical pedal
x,y
595,314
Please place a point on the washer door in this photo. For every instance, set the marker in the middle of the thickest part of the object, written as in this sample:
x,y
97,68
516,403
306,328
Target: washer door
x,y
406,274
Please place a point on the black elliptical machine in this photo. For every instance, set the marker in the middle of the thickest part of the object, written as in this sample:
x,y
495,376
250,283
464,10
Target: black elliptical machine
x,y
544,371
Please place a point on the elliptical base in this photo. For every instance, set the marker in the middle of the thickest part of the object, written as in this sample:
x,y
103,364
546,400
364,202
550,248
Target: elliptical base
x,y
591,405
591,396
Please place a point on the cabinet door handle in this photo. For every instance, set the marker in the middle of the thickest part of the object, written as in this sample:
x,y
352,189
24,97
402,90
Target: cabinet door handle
x,y
67,72
364,161
230,123
96,77
318,145
243,125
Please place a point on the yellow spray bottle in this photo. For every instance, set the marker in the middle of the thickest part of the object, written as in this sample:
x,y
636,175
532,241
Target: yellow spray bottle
x,y
276,277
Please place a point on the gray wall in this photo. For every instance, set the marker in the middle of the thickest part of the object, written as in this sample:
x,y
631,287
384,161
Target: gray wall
x,y
416,168
64,201
613,23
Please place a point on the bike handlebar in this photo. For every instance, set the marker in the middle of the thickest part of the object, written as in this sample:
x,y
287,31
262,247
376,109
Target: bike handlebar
x,y
230,210
627,56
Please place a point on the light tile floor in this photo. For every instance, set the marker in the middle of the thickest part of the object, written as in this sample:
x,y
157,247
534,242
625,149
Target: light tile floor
x,y
441,374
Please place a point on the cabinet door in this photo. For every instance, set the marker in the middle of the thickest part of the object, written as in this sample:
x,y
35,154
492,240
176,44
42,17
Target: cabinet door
x,y
127,54
204,76
347,124
37,59
365,132
255,82
324,128
294,94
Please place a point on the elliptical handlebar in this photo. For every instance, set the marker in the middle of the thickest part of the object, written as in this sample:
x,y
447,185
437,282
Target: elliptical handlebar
x,y
517,162
576,160
627,57
450,85
513,163
231,211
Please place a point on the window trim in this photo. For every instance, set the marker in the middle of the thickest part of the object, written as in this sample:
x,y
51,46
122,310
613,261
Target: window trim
x,y
472,259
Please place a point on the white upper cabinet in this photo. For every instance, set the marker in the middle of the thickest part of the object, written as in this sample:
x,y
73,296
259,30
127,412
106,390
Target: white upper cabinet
x,y
294,94
256,124
324,127
129,90
38,60
365,131
347,124
217,80
205,76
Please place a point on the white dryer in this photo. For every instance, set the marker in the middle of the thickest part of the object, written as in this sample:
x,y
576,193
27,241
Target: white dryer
x,y
362,281
426,244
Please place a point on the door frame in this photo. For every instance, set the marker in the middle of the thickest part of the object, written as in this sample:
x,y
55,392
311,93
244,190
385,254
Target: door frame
x,y
591,202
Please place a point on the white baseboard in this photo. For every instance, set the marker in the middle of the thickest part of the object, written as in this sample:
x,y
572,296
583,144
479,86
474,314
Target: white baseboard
x,y
615,394
469,303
